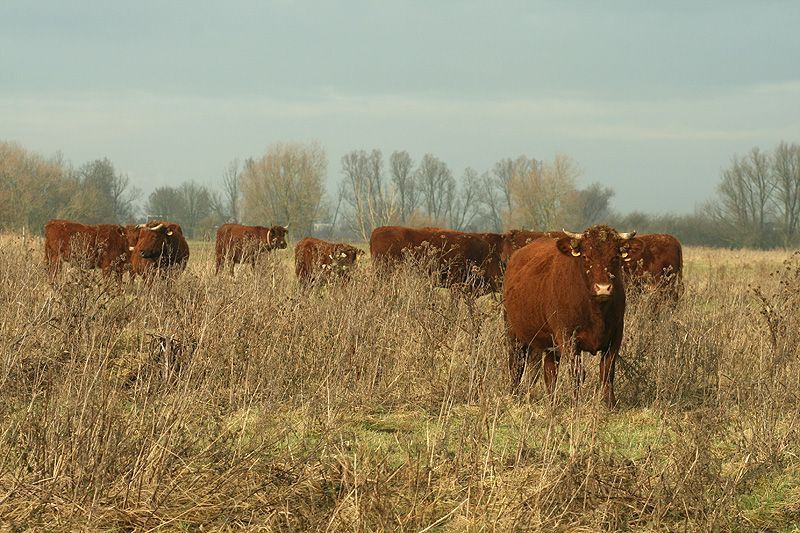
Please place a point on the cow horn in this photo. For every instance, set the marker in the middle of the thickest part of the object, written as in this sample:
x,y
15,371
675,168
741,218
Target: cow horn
x,y
286,227
156,228
140,226
269,236
626,236
577,236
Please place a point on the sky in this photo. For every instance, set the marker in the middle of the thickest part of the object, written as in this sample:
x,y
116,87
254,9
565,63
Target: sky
x,y
651,99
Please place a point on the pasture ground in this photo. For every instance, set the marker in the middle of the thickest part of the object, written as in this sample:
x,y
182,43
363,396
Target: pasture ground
x,y
222,403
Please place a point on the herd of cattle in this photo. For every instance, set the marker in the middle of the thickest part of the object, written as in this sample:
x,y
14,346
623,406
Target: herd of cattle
x,y
561,290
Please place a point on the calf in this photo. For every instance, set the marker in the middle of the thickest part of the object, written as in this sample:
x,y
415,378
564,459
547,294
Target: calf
x,y
318,260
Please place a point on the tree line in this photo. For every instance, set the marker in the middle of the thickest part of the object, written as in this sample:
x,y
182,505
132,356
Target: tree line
x,y
757,203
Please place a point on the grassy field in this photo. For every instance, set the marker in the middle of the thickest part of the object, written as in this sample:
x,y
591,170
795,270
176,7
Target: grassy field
x,y
222,402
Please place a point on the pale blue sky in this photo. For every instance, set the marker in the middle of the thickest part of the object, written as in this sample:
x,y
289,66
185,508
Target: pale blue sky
x,y
652,100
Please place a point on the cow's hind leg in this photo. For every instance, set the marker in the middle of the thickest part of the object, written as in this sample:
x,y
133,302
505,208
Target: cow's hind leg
x,y
517,358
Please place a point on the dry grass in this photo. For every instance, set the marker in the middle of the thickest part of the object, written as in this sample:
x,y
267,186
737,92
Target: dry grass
x,y
222,403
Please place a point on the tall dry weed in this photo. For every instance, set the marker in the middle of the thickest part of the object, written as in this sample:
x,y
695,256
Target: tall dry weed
x,y
218,401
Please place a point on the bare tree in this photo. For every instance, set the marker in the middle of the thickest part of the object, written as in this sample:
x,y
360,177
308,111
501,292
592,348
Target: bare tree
x,y
490,198
745,199
588,206
167,203
437,188
786,172
496,194
353,189
465,207
232,190
539,194
196,205
285,186
101,194
401,169
366,192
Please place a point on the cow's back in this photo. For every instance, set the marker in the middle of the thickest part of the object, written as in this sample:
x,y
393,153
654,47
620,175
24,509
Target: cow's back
x,y
227,236
529,291
386,243
233,236
61,235
450,253
100,245
517,238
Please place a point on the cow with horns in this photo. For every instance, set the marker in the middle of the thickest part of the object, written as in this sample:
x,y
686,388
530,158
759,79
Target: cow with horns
x,y
568,293
239,244
160,246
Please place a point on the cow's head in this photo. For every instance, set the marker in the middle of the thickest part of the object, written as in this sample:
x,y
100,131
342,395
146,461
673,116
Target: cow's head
x,y
157,241
276,237
343,258
601,251
132,235
122,233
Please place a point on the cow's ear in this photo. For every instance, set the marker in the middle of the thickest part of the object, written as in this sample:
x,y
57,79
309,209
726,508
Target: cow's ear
x,y
632,249
569,246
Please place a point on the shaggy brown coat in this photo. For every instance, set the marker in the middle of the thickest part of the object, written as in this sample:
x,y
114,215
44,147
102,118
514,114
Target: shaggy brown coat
x,y
240,244
557,290
456,257
161,246
316,260
660,267
100,246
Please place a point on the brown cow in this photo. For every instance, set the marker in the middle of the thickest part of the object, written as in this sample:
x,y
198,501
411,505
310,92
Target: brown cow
x,y
161,246
455,256
100,246
559,289
660,266
315,260
239,244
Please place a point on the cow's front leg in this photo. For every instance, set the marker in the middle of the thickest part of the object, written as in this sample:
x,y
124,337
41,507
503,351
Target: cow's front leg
x,y
607,363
